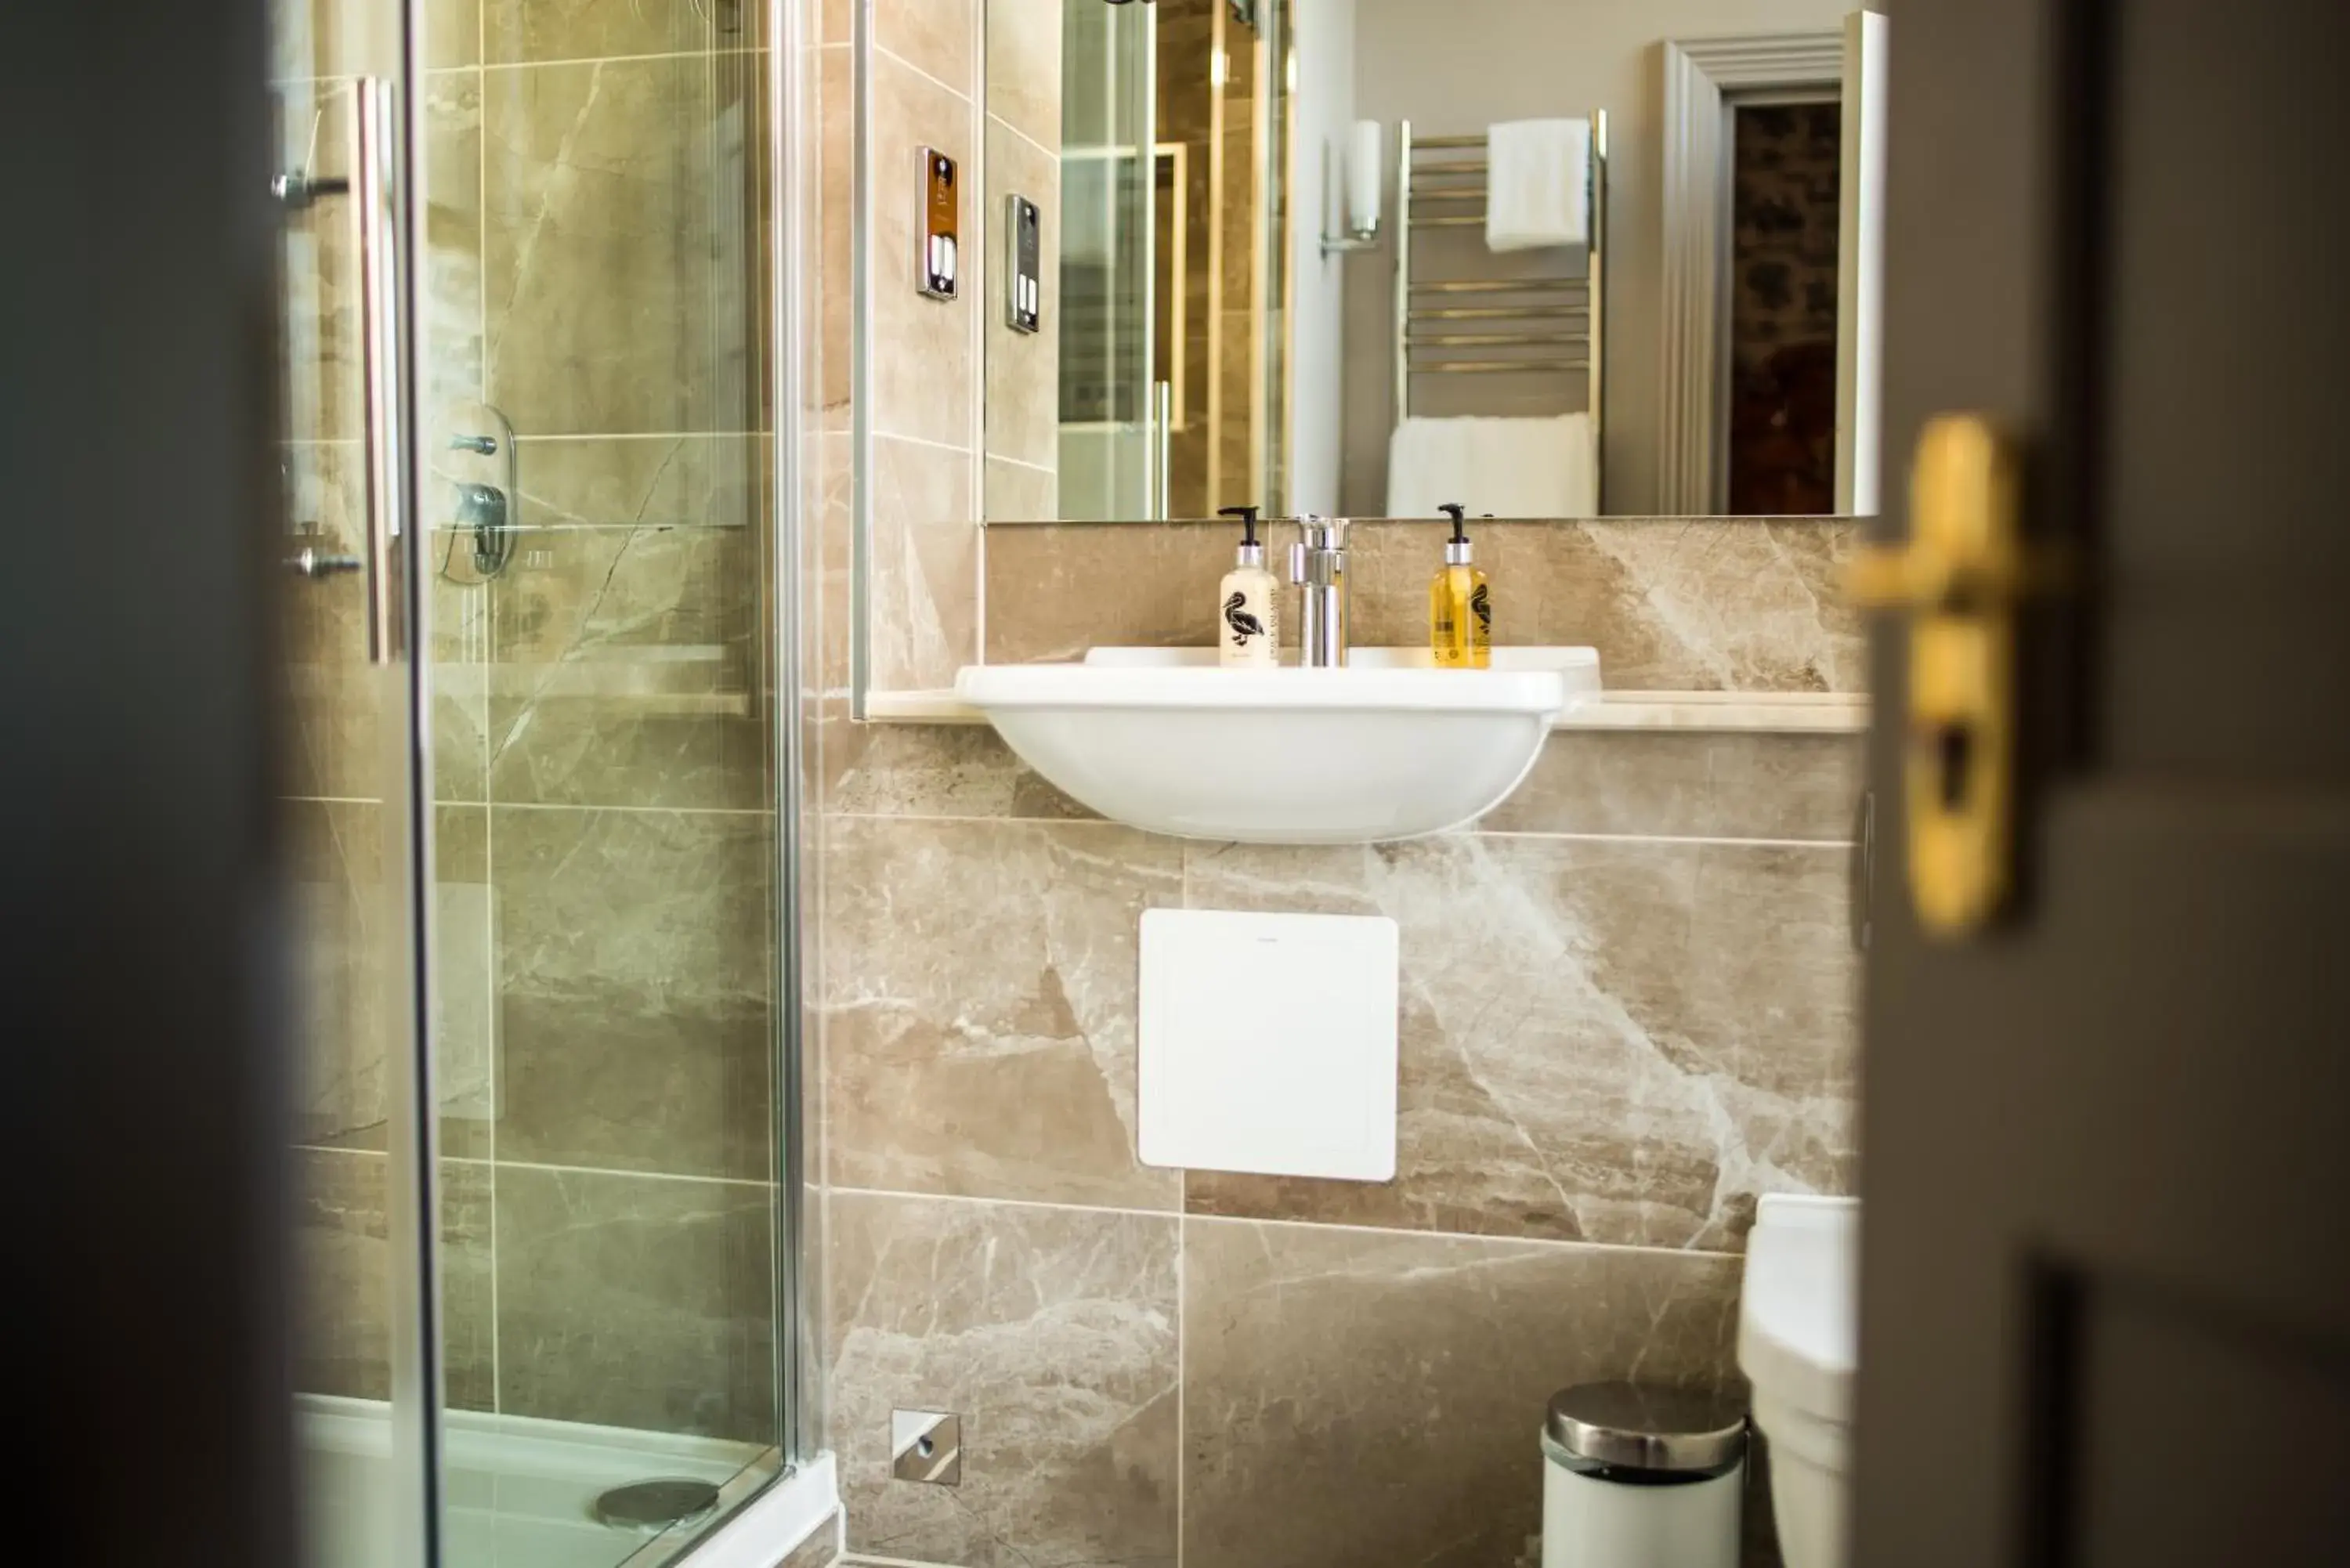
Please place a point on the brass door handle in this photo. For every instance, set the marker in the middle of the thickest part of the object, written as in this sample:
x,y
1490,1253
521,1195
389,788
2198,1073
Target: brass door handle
x,y
1961,579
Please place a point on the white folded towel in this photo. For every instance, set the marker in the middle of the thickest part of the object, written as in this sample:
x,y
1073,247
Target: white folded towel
x,y
1538,184
1509,467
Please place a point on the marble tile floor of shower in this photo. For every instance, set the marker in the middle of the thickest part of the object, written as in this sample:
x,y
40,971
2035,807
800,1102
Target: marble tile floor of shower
x,y
521,1492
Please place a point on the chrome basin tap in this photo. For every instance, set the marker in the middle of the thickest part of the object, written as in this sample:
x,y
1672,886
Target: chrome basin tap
x,y
1317,564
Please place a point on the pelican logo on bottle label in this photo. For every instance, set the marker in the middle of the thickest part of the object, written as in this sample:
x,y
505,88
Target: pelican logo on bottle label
x,y
1244,625
1481,605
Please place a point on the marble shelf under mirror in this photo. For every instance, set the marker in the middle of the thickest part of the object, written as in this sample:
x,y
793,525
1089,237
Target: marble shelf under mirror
x,y
1749,712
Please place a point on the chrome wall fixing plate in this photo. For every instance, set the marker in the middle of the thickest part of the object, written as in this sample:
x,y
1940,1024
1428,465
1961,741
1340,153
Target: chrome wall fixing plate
x,y
925,1446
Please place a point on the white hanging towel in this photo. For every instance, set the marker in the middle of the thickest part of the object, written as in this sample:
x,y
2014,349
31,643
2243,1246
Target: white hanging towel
x,y
1538,184
1509,467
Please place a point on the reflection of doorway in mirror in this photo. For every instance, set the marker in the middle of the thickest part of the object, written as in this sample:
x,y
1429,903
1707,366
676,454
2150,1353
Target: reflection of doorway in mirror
x,y
1784,178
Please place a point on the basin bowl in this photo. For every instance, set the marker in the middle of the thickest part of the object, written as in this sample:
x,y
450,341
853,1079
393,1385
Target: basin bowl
x,y
1388,747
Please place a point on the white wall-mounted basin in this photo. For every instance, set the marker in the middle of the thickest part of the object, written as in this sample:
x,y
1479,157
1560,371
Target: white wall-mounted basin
x,y
1389,747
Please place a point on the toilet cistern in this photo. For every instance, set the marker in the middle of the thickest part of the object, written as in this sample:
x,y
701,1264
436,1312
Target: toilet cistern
x,y
1795,1345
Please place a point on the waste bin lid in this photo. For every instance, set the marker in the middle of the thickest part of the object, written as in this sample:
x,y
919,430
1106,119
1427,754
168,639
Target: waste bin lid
x,y
1647,1426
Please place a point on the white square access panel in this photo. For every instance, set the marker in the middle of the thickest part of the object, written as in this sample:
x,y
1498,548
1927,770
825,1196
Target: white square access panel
x,y
1268,1042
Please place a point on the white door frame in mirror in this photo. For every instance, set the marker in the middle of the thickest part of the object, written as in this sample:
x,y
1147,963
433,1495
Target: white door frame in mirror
x,y
1860,267
1702,76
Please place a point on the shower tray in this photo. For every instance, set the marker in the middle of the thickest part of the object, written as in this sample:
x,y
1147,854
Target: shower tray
x,y
521,1492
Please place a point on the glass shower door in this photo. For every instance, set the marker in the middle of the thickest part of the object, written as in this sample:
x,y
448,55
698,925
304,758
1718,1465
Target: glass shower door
x,y
530,669
1115,413
364,1355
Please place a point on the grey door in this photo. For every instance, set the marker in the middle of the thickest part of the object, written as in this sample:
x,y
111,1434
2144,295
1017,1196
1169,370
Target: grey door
x,y
2104,1312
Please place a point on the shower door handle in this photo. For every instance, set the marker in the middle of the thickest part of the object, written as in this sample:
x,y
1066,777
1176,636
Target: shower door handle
x,y
374,191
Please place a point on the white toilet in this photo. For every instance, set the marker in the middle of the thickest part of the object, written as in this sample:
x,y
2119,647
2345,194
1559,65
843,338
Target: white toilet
x,y
1795,1340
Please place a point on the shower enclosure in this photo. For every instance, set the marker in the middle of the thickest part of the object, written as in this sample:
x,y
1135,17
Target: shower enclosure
x,y
1115,416
1176,122
535,622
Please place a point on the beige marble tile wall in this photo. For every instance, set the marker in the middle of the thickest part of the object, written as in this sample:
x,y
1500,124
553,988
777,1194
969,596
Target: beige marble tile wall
x,y
924,353
1729,604
965,413
818,1550
1627,1009
605,830
1022,411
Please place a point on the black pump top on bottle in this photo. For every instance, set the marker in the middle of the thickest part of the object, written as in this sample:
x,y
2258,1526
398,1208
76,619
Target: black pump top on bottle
x,y
1251,553
1456,550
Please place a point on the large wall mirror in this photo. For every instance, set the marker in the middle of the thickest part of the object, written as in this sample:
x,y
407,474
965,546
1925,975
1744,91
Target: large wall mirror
x,y
1543,257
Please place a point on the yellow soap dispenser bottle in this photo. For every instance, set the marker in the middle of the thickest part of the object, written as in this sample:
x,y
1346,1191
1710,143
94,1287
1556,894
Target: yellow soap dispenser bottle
x,y
1459,604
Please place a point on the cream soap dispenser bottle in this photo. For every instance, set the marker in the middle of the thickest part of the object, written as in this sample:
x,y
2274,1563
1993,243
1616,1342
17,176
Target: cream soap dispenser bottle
x,y
1248,605
1460,603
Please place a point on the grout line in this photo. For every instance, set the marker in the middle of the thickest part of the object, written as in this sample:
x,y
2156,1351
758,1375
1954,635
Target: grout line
x,y
534,440
886,53
607,1170
1667,838
1045,1204
981,322
1548,1242
880,435
641,525
591,806
995,821
619,59
1005,820
551,1169
1183,1351
482,271
1186,1219
1024,136
489,818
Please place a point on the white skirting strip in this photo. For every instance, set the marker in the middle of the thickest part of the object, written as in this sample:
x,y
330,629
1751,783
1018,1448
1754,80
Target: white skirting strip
x,y
775,1522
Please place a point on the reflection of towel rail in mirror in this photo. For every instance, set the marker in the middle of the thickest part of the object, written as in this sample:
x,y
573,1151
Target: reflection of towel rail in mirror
x,y
1457,181
1495,312
1496,284
1497,367
1490,339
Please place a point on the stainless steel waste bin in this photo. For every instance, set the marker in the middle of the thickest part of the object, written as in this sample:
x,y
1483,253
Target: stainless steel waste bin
x,y
1635,1476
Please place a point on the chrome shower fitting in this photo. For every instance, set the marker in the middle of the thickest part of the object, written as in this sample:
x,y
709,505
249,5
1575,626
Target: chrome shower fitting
x,y
485,506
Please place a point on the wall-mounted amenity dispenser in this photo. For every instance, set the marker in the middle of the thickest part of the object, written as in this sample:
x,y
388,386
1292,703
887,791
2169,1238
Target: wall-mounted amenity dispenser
x,y
937,261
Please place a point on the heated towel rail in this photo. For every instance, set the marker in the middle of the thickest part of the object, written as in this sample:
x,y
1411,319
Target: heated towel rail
x,y
1470,325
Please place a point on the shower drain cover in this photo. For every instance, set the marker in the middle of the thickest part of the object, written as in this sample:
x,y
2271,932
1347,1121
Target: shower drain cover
x,y
655,1504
